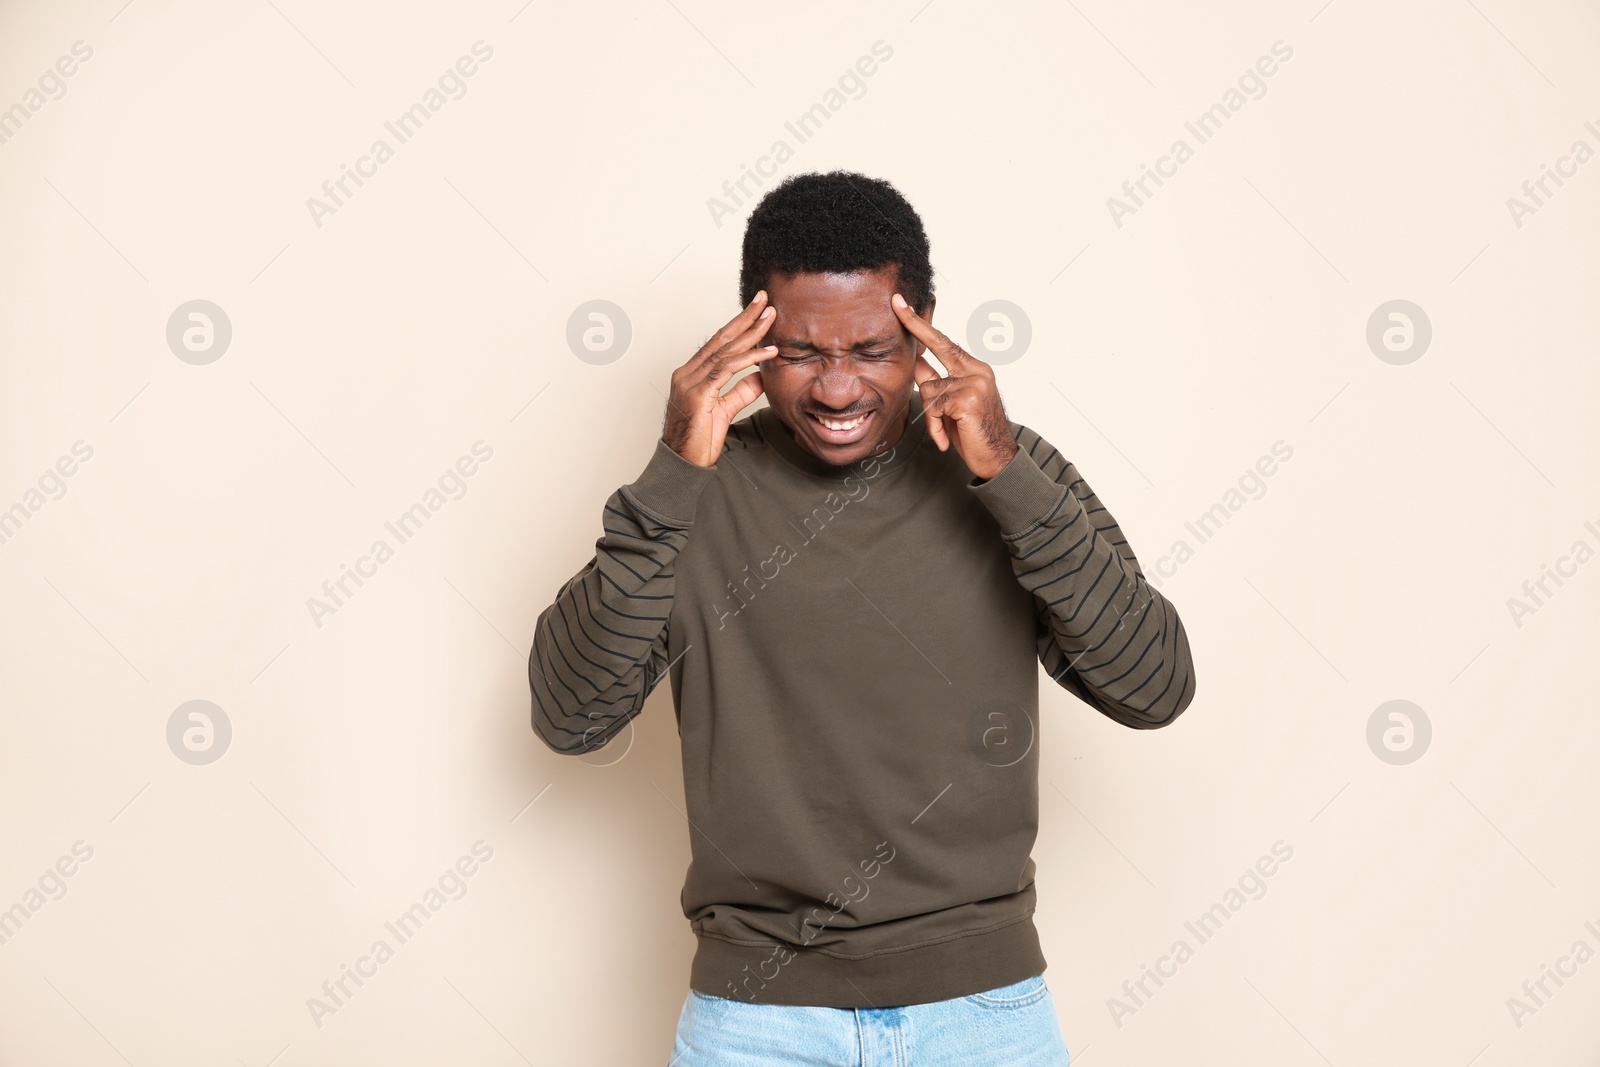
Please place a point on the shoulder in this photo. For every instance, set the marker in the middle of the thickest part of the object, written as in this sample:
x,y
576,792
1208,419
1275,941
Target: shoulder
x,y
1048,458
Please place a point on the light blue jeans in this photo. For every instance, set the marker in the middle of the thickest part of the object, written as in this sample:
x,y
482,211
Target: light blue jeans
x,y
1013,1025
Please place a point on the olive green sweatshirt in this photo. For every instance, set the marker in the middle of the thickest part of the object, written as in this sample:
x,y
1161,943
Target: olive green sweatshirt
x,y
854,655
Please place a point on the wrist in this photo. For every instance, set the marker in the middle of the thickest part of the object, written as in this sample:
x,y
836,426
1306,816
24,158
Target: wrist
x,y
1000,465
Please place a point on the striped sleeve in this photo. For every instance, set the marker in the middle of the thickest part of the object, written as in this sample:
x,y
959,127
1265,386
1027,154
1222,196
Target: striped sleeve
x,y
600,648
1105,634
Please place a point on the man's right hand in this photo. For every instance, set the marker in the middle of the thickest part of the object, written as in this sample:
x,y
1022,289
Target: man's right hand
x,y
698,412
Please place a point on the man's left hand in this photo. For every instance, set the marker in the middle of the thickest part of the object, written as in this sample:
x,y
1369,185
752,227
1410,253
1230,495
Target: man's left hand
x,y
962,407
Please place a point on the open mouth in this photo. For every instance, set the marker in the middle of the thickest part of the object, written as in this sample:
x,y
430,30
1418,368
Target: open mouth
x,y
842,431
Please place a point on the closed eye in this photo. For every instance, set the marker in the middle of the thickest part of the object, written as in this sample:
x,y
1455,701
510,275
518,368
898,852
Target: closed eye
x,y
802,356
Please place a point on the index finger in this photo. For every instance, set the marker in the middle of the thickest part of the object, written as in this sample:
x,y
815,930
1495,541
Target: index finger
x,y
736,325
947,351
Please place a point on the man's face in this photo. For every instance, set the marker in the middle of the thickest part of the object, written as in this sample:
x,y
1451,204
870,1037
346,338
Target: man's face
x,y
843,356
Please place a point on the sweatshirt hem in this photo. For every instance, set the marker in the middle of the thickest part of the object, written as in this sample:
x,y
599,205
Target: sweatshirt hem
x,y
940,970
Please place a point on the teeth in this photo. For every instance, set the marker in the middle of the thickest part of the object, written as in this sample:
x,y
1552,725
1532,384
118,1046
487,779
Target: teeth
x,y
852,424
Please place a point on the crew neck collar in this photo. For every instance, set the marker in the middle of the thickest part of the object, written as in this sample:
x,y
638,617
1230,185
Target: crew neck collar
x,y
898,455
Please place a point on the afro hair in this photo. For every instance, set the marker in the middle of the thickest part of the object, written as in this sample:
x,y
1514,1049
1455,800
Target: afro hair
x,y
835,223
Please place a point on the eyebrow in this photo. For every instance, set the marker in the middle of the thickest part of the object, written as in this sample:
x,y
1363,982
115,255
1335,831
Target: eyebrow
x,y
807,346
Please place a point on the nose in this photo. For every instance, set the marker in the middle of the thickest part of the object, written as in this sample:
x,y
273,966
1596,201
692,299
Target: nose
x,y
836,388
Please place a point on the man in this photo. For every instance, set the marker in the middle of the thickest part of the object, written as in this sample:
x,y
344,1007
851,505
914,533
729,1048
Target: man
x,y
851,590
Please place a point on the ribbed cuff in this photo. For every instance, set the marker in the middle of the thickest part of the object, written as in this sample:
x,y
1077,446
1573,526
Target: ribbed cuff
x,y
1021,495
669,486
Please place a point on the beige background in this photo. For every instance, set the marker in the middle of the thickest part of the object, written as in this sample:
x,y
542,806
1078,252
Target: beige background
x,y
428,313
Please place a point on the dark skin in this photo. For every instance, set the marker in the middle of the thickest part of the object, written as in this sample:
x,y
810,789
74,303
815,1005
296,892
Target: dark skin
x,y
840,345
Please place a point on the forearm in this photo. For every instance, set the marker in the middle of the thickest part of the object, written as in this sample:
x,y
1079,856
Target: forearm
x,y
1105,633
600,647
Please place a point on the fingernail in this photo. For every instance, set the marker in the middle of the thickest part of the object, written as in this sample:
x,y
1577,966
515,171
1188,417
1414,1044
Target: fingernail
x,y
898,300
765,313
762,295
